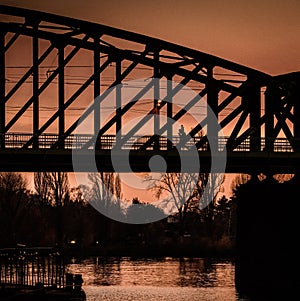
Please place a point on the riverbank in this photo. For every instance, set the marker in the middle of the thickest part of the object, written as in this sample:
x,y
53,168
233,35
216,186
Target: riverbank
x,y
185,248
37,293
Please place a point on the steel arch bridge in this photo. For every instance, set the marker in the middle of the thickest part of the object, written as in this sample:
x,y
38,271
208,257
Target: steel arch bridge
x,y
52,67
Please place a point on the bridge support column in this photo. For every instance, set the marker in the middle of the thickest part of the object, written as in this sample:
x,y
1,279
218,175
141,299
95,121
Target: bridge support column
x,y
266,239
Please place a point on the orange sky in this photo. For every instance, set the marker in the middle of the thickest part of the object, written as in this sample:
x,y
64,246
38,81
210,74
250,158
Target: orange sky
x,y
261,34
264,35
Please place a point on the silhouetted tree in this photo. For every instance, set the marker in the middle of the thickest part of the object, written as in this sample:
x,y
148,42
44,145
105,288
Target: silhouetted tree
x,y
208,189
14,199
177,191
239,180
225,217
43,187
104,191
187,192
53,188
104,194
78,218
141,213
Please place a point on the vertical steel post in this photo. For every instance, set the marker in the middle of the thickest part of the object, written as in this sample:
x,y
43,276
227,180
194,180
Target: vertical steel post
x,y
2,89
269,124
296,101
61,96
169,112
253,104
156,75
96,85
212,114
118,102
35,86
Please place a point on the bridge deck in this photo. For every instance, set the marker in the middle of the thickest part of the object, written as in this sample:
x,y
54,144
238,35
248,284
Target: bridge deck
x,y
46,158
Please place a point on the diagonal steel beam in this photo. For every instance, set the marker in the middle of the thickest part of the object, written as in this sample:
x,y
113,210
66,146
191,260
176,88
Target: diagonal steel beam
x,y
11,41
176,117
170,68
27,74
237,128
231,116
223,123
103,96
285,128
290,117
248,132
153,110
238,92
185,62
112,121
285,110
68,102
125,109
41,89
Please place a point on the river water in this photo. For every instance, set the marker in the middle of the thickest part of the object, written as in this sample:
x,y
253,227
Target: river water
x,y
156,279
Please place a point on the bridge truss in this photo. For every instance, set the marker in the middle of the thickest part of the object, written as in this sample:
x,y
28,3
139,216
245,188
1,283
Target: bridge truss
x,y
53,67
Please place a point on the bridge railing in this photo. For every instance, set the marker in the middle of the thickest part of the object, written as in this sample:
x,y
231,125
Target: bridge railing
x,y
107,142
31,267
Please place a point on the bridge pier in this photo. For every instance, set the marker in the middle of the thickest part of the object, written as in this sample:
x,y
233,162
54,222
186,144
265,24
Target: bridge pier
x,y
267,237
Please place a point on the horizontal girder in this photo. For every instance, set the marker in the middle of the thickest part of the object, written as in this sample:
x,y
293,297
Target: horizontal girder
x,y
23,160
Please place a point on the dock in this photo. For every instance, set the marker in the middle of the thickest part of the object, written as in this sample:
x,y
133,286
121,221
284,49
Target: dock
x,y
37,274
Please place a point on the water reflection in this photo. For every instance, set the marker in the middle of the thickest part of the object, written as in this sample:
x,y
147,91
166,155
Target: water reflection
x,y
158,272
152,279
205,273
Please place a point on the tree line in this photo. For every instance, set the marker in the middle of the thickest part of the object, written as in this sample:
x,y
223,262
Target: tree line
x,y
57,214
